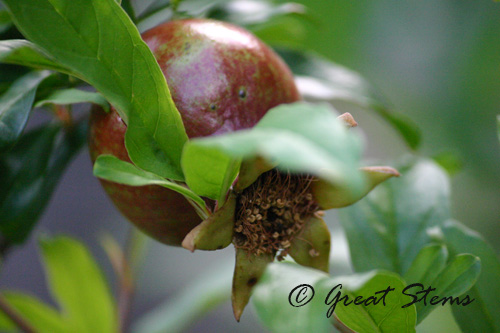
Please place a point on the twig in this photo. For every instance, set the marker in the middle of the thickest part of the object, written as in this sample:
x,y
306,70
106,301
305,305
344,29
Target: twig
x,y
12,314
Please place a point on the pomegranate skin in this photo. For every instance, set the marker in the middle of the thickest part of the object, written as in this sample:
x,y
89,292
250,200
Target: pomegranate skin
x,y
222,79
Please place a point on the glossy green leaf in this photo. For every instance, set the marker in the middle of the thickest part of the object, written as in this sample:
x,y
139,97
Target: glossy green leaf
x,y
37,314
98,42
78,285
211,182
482,314
16,105
319,79
428,264
29,173
111,168
383,313
457,278
300,137
74,96
24,53
389,227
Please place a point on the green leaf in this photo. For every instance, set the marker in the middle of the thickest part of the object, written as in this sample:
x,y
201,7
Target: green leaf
x,y
21,52
389,227
98,42
458,277
74,96
300,137
428,264
29,173
16,105
482,314
111,168
34,312
78,285
211,182
322,80
387,315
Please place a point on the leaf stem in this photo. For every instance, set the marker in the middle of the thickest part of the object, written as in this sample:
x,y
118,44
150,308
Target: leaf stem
x,y
12,314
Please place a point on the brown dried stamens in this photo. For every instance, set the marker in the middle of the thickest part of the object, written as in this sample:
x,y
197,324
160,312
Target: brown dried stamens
x,y
272,211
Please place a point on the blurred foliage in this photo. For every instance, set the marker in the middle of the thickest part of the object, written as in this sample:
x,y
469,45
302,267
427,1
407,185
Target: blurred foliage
x,y
78,286
438,61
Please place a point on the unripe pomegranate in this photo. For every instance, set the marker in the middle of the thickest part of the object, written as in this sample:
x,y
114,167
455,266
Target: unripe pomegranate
x,y
222,78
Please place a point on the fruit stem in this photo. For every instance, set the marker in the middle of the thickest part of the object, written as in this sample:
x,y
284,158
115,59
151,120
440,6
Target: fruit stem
x,y
13,315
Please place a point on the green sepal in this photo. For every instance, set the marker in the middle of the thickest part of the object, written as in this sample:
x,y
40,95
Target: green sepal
x,y
329,196
215,232
250,170
247,272
311,247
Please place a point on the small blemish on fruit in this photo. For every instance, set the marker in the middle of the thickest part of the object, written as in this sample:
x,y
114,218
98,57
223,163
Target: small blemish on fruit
x,y
213,107
242,93
251,282
187,46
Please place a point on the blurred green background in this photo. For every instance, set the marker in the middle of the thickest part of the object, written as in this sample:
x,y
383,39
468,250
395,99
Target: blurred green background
x,y
437,61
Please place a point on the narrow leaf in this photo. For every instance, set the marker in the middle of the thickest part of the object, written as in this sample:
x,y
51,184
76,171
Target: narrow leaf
x,y
78,285
16,105
24,53
98,41
111,168
457,278
428,264
34,312
74,96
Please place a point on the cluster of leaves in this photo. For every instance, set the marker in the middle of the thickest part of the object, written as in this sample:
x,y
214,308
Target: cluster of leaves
x,y
400,234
